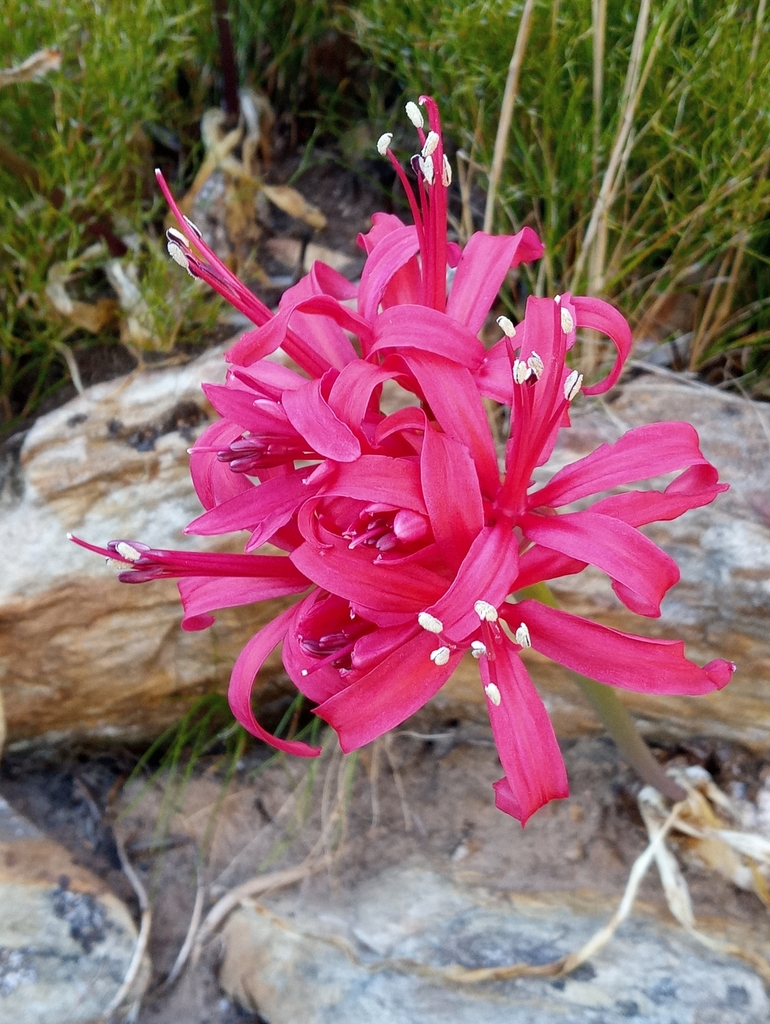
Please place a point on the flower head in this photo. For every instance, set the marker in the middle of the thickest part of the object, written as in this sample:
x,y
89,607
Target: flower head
x,y
414,545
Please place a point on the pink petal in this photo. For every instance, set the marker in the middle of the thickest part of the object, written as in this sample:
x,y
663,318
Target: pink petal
x,y
248,663
214,481
311,416
486,574
620,659
539,564
641,572
352,392
601,316
493,378
482,269
454,399
427,330
643,452
524,737
378,478
389,255
203,594
695,487
450,486
389,693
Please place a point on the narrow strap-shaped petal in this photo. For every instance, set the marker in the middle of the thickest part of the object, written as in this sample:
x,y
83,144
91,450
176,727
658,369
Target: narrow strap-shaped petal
x,y
203,594
646,451
697,486
486,574
644,572
351,393
378,478
454,399
601,316
247,664
311,416
482,269
609,656
214,481
524,737
494,378
426,330
387,257
450,485
537,565
389,693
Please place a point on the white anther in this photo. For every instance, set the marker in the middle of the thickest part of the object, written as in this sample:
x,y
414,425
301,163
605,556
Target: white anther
x,y
414,114
506,326
176,236
567,323
303,672
446,172
557,299
193,227
522,636
430,622
478,649
493,693
535,363
485,611
521,372
427,168
572,385
430,145
178,255
383,143
440,656
127,551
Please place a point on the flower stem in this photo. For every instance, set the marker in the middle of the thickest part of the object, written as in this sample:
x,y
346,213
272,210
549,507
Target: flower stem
x,y
616,719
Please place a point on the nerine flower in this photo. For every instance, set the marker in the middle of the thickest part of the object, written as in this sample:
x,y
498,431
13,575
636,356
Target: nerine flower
x,y
412,545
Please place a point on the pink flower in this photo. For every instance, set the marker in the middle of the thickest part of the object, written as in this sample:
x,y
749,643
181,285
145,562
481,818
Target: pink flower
x,y
413,547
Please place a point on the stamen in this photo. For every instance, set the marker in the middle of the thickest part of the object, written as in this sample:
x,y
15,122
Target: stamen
x,y
521,372
178,255
493,694
572,385
194,228
383,143
506,326
536,365
440,656
430,622
478,649
522,636
430,145
128,552
567,323
176,236
557,299
485,611
414,114
446,172
427,168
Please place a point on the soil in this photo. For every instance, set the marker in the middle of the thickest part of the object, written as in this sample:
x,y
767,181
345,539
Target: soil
x,y
426,791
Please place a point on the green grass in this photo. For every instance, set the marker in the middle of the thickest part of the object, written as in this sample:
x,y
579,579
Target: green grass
x,y
688,212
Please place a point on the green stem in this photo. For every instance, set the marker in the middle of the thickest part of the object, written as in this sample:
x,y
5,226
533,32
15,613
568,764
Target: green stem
x,y
616,719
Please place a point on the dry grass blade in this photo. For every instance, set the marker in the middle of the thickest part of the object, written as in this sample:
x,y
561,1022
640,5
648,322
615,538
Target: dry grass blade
x,y
33,68
506,112
144,932
598,36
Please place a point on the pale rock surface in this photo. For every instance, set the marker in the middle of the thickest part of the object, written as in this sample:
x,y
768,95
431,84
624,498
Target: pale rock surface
x,y
66,942
322,958
81,655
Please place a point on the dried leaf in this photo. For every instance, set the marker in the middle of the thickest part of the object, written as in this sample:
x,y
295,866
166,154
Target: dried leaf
x,y
89,316
33,68
292,202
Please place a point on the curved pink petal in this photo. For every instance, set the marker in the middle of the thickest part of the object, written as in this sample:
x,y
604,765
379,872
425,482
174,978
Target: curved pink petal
x,y
482,269
537,565
203,594
427,330
352,392
620,659
494,378
450,485
643,452
524,737
695,487
454,400
486,574
378,478
310,414
392,252
320,616
247,664
400,684
601,316
640,571
214,481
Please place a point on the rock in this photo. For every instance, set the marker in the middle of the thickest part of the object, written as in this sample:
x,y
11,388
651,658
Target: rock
x,y
324,957
66,942
81,655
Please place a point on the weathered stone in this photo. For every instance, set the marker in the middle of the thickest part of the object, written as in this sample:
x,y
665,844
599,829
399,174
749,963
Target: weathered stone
x,y
83,655
66,942
322,957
